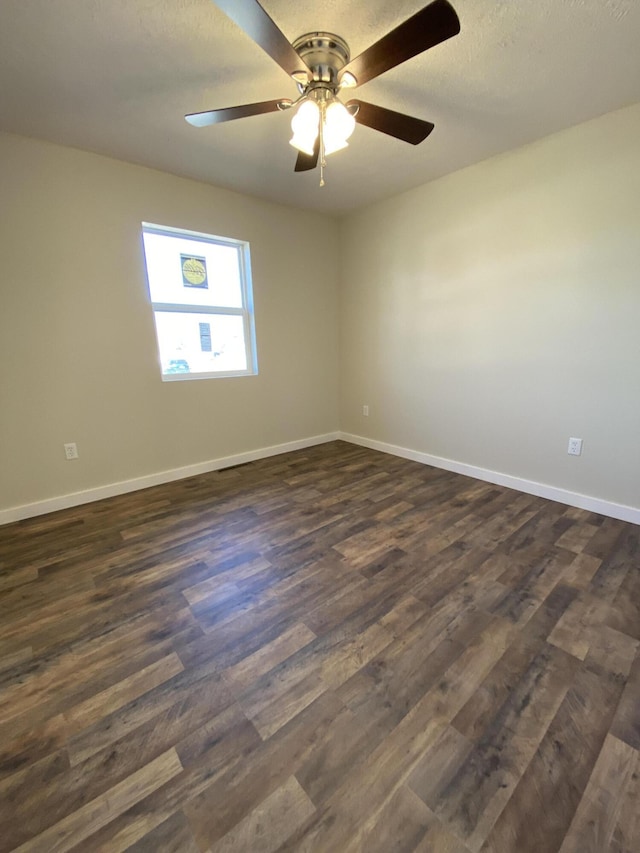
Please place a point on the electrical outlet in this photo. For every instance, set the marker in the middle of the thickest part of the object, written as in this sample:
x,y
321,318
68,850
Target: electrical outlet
x,y
365,411
575,447
71,450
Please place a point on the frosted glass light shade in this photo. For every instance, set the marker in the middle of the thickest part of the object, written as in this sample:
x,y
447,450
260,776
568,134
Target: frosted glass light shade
x,y
305,125
338,127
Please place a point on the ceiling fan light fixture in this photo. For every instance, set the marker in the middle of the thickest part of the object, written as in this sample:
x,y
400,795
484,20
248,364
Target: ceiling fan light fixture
x,y
305,124
333,144
339,124
303,143
320,64
348,81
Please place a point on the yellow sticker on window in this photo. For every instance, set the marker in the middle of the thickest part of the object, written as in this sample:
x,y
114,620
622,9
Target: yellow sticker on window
x,y
194,271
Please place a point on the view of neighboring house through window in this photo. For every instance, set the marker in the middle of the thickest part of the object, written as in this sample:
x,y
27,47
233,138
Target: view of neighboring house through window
x,y
200,290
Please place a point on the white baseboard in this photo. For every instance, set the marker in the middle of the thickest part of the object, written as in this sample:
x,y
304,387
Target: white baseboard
x,y
110,490
614,510
530,487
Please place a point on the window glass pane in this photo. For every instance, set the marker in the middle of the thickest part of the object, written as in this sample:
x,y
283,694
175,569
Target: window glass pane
x,y
189,271
200,343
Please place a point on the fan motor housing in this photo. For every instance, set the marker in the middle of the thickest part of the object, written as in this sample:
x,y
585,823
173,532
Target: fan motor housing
x,y
325,54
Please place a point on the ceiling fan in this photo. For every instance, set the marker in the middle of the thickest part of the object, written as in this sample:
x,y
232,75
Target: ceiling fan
x,y
321,66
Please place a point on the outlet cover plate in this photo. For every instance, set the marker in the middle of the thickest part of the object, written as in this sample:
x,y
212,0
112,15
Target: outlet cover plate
x,y
575,447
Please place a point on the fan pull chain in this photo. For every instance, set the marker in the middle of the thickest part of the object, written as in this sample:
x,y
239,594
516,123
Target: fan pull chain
x,y
323,161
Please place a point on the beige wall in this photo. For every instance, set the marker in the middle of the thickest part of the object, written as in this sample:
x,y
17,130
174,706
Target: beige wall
x,y
78,356
484,318
490,315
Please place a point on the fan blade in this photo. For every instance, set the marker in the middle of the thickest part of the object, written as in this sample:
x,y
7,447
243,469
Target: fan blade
x,y
433,24
229,113
402,126
306,162
252,18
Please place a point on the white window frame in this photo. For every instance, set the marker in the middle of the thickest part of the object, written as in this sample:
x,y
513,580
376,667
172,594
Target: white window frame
x,y
246,311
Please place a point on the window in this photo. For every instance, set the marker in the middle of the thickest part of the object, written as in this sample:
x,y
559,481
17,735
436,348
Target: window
x,y
200,290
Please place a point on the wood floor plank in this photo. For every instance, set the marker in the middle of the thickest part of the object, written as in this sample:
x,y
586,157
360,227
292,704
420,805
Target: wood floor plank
x,y
626,723
390,684
365,788
121,722
437,838
477,793
245,672
32,744
626,834
11,660
439,765
554,781
473,719
137,684
51,687
215,810
21,795
354,654
614,569
213,751
624,614
270,714
332,649
244,566
572,632
522,601
9,579
607,538
582,570
403,615
172,836
350,741
85,821
577,537
268,825
400,826
193,727
596,821
611,652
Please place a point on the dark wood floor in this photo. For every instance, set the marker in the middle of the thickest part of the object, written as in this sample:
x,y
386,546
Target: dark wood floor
x,y
331,650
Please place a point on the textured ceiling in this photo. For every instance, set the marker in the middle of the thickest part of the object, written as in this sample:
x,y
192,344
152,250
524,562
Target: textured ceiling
x,y
117,77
